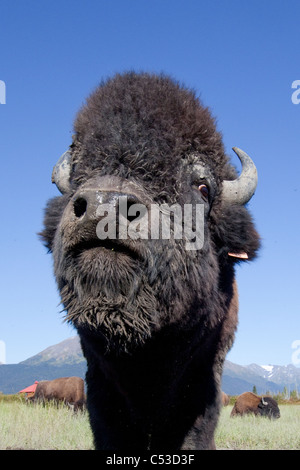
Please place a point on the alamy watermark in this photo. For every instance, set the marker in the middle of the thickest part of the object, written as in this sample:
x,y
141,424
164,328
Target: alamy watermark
x,y
296,94
2,92
2,352
296,353
155,221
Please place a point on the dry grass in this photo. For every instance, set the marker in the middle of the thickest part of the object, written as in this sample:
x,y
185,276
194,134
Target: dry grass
x,y
258,433
37,427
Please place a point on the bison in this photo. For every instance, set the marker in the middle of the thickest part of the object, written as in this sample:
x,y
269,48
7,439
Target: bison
x,y
69,390
225,398
248,402
145,238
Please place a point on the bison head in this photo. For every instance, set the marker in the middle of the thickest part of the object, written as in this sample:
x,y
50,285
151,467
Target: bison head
x,y
144,147
268,407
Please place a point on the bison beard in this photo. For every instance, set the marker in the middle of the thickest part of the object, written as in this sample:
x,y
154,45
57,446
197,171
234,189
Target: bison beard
x,y
120,309
155,319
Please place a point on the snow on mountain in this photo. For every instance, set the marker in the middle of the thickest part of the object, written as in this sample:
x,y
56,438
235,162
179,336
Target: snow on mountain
x,y
238,379
287,375
269,369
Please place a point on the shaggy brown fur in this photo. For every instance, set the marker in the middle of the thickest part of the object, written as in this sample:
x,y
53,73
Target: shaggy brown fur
x,y
155,319
248,402
225,399
64,389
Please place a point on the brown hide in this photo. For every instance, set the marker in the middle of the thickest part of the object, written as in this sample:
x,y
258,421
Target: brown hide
x,y
225,399
66,389
246,403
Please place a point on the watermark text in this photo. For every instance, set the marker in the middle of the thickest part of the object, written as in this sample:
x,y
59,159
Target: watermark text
x,y
296,353
296,94
2,92
156,222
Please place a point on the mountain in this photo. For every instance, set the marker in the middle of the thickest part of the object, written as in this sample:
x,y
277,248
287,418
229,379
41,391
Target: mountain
x,y
66,352
238,379
66,359
290,375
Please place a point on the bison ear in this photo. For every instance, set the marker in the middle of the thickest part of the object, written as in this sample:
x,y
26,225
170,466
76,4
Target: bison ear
x,y
241,255
61,173
53,212
234,233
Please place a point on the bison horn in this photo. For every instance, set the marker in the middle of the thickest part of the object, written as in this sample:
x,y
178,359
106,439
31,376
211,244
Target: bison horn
x,y
61,173
241,190
263,401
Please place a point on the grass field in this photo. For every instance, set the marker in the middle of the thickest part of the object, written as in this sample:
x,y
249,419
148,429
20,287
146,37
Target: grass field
x,y
257,433
38,427
41,428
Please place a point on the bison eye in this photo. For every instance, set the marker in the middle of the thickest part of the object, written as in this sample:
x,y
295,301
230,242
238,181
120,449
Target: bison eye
x,y
204,190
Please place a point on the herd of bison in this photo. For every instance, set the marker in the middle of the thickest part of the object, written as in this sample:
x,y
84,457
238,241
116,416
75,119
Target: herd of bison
x,y
70,391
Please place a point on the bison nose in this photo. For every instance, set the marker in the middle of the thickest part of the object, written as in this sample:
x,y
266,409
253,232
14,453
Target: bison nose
x,y
80,206
87,205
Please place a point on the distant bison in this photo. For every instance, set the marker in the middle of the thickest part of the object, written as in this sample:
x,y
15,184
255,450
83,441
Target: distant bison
x,y
248,402
225,399
145,239
69,390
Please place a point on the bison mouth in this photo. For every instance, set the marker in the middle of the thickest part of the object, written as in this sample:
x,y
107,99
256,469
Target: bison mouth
x,y
107,292
113,248
105,246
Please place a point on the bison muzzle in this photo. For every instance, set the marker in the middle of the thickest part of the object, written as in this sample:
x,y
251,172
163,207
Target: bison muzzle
x,y
155,308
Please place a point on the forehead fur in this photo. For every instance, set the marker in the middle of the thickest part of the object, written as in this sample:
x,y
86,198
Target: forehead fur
x,y
141,124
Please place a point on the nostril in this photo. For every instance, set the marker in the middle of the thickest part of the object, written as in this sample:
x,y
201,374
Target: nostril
x,y
80,205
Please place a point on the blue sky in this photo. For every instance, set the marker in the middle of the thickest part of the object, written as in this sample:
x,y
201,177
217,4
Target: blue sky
x,y
240,56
